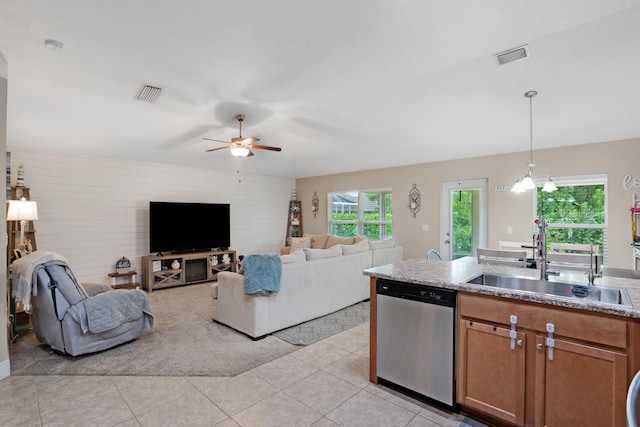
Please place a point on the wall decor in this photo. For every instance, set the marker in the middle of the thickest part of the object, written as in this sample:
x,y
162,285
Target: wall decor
x,y
20,179
315,204
414,200
630,183
123,265
499,188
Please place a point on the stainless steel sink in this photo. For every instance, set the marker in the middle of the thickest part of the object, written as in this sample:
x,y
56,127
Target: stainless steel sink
x,y
569,290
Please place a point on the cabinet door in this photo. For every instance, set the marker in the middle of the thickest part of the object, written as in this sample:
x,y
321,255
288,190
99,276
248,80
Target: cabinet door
x,y
582,386
491,373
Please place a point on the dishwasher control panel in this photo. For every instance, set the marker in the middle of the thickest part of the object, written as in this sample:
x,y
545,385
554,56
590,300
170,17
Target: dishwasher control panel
x,y
423,293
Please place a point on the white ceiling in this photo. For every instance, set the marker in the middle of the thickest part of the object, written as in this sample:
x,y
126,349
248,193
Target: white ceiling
x,y
340,85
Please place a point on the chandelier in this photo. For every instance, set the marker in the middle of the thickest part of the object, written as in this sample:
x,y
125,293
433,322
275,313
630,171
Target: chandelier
x,y
527,181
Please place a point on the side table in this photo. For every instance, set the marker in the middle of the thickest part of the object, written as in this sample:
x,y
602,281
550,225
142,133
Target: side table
x,y
124,280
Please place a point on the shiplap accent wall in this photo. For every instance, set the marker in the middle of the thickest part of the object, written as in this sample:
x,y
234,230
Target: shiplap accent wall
x,y
95,210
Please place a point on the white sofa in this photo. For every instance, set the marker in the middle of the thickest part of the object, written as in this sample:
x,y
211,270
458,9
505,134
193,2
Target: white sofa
x,y
314,282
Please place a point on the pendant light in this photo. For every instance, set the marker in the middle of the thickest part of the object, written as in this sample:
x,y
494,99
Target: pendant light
x,y
527,181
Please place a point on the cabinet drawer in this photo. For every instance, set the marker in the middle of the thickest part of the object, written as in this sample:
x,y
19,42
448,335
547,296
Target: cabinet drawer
x,y
575,324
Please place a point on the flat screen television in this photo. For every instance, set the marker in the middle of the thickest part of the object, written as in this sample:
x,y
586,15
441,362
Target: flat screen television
x,y
188,227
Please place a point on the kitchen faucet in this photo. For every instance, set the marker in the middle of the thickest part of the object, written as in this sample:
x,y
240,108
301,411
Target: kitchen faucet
x,y
542,250
592,275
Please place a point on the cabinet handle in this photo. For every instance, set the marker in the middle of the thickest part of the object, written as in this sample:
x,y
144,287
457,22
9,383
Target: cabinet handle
x,y
540,346
551,328
513,319
519,342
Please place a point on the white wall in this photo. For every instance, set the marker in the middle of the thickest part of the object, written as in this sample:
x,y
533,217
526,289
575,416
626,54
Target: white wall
x,y
95,210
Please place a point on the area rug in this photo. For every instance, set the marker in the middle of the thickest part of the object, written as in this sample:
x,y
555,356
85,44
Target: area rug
x,y
323,327
184,342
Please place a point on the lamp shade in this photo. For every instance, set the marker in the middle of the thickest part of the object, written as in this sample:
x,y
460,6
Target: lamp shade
x,y
549,186
22,210
527,183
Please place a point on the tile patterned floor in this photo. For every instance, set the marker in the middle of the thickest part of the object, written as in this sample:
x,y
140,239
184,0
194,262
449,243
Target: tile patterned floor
x,y
323,384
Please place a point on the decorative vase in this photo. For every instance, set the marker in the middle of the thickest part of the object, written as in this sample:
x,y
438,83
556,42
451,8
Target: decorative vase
x,y
175,264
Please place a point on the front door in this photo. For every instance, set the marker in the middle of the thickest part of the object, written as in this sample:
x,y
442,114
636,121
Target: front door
x,y
464,218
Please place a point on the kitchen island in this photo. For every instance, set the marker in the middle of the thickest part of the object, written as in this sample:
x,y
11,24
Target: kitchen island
x,y
525,358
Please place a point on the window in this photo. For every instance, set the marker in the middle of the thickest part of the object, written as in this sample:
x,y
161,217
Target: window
x,y
576,213
357,213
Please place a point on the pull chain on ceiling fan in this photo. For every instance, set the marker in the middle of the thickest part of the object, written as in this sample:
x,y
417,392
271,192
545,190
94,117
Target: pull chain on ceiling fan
x,y
241,147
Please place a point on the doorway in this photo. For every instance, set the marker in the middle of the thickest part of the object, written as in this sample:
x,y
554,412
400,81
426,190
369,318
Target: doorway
x,y
463,218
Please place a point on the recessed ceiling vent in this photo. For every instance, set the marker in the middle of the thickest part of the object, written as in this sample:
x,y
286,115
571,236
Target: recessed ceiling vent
x,y
149,94
515,54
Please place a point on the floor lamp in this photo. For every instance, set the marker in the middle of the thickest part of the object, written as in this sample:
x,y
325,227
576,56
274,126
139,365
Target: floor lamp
x,y
22,210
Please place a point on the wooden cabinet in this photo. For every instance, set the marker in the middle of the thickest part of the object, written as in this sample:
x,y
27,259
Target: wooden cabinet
x,y
163,271
486,353
582,385
294,221
575,375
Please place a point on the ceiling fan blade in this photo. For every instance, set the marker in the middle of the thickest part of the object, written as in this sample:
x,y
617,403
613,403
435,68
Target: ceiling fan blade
x,y
216,149
250,153
217,140
265,147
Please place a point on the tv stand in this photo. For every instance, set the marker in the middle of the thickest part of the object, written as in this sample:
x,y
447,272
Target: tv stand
x,y
158,270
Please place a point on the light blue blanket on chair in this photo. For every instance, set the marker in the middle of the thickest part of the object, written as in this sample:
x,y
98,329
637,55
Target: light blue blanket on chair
x,y
262,274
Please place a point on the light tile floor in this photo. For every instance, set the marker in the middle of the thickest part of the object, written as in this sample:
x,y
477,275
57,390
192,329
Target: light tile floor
x,y
323,384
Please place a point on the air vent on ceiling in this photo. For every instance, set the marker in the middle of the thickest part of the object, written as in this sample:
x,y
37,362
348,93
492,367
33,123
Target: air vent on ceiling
x,y
515,54
149,94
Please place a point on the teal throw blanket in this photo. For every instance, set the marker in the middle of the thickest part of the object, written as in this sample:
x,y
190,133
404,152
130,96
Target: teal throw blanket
x,y
261,274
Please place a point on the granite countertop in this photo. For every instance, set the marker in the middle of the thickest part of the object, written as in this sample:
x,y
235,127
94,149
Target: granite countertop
x,y
455,274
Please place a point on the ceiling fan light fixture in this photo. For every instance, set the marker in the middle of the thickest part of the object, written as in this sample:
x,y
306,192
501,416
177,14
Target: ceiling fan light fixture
x,y
240,151
240,146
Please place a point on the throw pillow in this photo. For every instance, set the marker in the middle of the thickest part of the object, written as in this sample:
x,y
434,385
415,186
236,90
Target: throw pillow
x,y
382,244
297,256
312,254
361,246
335,240
299,243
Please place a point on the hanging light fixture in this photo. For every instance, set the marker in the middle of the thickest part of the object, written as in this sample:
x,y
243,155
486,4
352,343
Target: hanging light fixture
x,y
527,181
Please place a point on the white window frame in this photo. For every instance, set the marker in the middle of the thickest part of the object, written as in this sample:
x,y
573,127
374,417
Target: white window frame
x,y
360,223
594,179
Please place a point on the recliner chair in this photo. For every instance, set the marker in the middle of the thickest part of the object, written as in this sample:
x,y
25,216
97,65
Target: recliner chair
x,y
66,318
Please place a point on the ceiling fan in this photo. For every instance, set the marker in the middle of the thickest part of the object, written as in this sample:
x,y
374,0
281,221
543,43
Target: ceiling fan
x,y
241,147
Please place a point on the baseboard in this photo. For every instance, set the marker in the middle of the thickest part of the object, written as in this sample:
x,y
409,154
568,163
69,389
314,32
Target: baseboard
x,y
5,369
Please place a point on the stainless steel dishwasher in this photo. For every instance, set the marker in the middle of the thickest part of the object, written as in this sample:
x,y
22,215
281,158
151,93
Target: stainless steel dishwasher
x,y
416,340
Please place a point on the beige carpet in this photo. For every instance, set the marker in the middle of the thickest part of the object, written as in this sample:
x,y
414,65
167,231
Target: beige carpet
x,y
184,342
